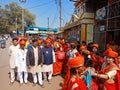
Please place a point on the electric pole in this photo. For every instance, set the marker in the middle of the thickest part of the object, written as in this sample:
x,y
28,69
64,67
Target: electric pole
x,y
60,5
23,1
48,23
16,25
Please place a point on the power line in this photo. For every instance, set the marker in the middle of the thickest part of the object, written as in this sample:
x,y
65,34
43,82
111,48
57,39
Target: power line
x,y
43,4
55,18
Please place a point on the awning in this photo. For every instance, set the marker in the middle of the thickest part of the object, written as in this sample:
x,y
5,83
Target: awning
x,y
32,32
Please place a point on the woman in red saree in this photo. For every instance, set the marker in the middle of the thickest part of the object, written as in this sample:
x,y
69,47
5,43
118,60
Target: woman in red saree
x,y
74,78
58,65
110,75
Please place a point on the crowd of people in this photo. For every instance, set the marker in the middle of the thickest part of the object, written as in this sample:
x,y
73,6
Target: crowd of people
x,y
83,66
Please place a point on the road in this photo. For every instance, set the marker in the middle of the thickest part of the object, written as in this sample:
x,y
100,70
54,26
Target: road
x,y
4,76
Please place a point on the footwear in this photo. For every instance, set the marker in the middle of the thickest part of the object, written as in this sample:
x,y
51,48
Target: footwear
x,y
49,81
42,86
26,83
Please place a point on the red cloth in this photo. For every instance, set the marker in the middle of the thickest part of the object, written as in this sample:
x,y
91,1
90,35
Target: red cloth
x,y
47,41
76,62
22,42
58,65
66,80
79,82
95,45
116,85
61,55
94,86
112,54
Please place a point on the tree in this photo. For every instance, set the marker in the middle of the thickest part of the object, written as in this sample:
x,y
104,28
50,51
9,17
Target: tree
x,y
11,16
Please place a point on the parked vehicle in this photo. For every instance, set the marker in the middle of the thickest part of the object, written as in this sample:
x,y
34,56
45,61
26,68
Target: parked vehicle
x,y
3,43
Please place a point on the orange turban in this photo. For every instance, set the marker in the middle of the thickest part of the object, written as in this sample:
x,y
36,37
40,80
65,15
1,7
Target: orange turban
x,y
39,41
83,48
25,39
22,42
47,41
76,62
111,53
95,45
107,50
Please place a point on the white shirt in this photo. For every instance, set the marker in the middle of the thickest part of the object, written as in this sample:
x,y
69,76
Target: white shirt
x,y
12,53
21,60
111,74
71,53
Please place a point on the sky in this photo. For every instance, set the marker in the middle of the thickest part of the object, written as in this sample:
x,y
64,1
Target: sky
x,y
44,9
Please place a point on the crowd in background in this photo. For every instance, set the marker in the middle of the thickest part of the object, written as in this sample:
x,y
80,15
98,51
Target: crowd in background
x,y
84,67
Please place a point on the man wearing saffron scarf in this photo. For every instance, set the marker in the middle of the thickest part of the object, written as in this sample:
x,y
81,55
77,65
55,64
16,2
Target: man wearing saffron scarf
x,y
110,75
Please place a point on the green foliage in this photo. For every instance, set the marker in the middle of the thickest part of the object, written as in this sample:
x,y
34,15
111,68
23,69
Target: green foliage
x,y
11,18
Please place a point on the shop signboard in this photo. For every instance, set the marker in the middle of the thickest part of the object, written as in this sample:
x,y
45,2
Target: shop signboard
x,y
101,13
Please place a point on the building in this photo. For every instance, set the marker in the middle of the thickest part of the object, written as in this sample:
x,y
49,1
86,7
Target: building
x,y
80,27
107,23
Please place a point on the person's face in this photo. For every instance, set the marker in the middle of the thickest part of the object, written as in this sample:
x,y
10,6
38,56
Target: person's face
x,y
94,49
109,60
15,42
80,69
22,46
30,41
35,44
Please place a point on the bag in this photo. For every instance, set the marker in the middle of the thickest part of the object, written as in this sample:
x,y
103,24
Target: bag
x,y
61,55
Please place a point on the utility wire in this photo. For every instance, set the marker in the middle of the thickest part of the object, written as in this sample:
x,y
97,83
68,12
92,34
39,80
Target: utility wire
x,y
43,4
55,18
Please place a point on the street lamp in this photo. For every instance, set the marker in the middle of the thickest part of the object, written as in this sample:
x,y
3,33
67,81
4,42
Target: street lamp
x,y
23,1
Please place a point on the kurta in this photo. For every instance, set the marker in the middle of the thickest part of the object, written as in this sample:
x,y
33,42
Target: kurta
x,y
21,60
36,68
12,53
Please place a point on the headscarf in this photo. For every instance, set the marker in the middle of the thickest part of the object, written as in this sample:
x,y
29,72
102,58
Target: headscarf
x,y
95,45
76,62
47,41
22,42
73,63
110,53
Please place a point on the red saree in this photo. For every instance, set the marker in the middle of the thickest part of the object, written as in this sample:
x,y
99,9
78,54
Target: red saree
x,y
57,66
77,84
116,84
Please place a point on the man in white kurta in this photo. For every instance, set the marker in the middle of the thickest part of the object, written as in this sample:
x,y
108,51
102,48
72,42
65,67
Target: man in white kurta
x,y
12,53
21,62
34,62
36,68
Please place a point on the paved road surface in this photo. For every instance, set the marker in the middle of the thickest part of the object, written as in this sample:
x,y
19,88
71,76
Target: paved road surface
x,y
4,77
